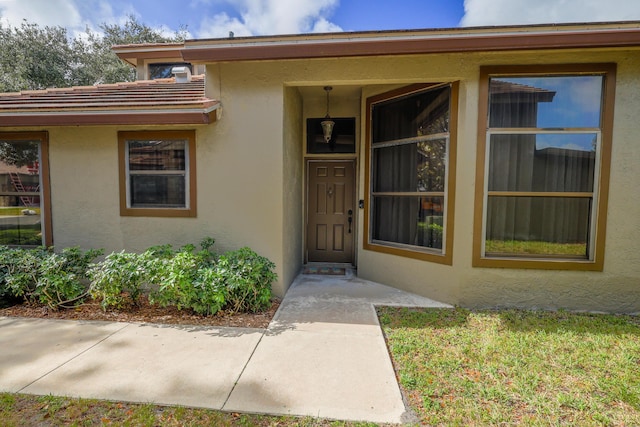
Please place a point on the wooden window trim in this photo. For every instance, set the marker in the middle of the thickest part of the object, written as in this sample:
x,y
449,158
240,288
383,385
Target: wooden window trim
x,y
45,208
190,137
445,257
608,71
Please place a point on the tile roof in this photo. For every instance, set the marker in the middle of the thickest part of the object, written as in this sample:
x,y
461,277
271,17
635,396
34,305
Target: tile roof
x,y
162,101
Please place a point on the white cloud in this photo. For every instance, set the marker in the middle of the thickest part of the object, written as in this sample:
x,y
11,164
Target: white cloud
x,y
516,12
221,25
42,12
74,15
216,18
265,17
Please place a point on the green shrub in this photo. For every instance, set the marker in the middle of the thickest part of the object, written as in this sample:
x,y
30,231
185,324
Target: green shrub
x,y
122,277
179,277
247,278
40,275
211,293
239,281
62,278
19,271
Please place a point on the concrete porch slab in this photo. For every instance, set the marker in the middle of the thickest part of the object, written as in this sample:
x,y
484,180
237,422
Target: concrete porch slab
x,y
324,354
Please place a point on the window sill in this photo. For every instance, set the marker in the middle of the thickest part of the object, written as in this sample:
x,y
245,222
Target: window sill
x,y
423,255
159,212
538,263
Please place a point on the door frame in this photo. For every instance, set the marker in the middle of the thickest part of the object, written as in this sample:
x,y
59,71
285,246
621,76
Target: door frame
x,y
356,209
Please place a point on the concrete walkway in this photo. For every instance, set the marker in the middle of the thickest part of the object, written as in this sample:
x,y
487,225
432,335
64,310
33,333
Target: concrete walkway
x,y
323,355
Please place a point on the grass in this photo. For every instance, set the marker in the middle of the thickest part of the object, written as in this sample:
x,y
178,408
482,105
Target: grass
x,y
461,367
521,247
29,410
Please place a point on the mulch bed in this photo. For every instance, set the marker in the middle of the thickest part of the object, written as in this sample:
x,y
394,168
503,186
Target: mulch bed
x,y
144,312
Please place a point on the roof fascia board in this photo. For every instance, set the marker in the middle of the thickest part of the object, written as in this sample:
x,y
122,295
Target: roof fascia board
x,y
434,42
121,117
131,53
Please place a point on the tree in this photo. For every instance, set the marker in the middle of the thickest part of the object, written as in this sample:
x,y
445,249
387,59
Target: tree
x,y
34,57
100,64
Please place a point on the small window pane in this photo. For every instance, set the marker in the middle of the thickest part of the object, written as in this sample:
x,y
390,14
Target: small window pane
x,y
415,115
157,155
545,102
158,191
410,167
544,162
163,71
538,226
416,221
20,224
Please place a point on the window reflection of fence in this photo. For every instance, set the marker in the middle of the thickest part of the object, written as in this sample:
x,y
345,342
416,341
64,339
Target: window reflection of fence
x,y
14,182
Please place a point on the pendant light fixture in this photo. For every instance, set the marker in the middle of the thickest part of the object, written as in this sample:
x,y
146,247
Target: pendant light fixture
x,y
327,124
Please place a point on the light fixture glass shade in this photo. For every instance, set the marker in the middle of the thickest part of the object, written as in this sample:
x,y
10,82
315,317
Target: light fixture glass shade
x,y
327,128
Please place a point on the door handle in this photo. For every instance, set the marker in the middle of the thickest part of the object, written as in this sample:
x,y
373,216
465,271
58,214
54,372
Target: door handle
x,y
350,219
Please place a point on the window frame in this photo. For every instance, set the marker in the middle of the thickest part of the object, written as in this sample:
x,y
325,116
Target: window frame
x,y
444,256
601,172
45,186
189,136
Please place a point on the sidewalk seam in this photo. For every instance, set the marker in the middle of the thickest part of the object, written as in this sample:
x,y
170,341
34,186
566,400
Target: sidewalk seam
x,y
242,371
74,357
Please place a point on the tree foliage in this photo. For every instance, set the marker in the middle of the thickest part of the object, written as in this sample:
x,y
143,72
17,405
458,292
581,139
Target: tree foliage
x,y
34,57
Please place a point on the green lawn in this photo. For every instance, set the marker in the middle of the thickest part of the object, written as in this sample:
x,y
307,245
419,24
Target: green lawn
x,y
28,410
461,367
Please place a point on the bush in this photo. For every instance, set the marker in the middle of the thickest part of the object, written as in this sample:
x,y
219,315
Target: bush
x,y
19,271
179,279
40,275
239,281
247,278
121,277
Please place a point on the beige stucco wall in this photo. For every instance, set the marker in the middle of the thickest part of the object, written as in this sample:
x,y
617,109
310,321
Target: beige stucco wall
x,y
292,218
617,288
250,177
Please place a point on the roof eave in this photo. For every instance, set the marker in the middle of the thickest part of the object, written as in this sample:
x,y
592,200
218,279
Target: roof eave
x,y
154,51
411,45
202,116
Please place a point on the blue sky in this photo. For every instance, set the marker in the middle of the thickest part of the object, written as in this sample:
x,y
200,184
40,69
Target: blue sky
x,y
215,18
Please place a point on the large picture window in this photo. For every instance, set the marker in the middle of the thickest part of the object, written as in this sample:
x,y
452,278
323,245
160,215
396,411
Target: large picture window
x,y
545,149
157,173
411,153
25,207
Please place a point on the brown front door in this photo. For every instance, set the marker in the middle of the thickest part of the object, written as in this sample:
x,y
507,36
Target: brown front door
x,y
330,213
